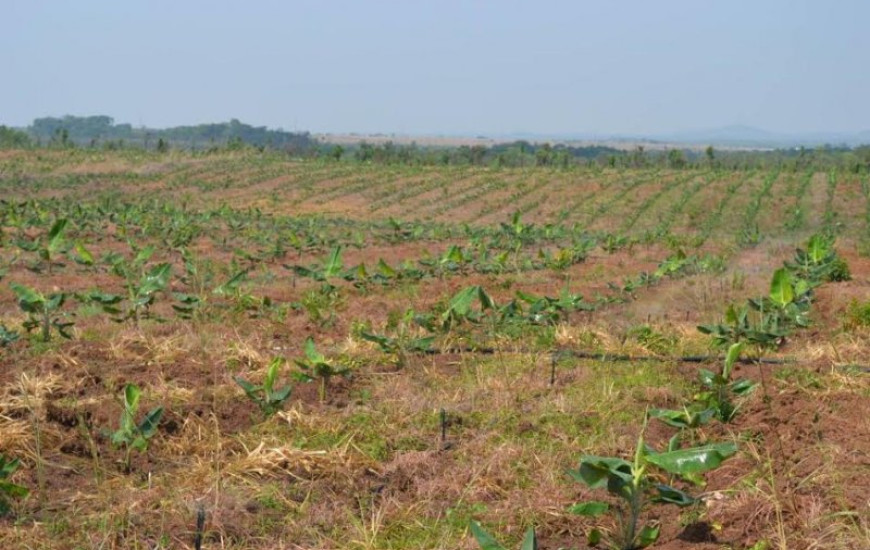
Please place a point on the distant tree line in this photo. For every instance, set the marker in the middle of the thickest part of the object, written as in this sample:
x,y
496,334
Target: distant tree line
x,y
516,154
102,132
523,153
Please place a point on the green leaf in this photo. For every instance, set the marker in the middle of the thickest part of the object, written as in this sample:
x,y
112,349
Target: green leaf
x,y
28,299
591,508
730,358
593,537
385,270
818,248
462,300
155,279
281,395
149,424
707,378
684,418
421,344
743,387
143,255
311,352
231,285
333,264
13,490
104,298
271,374
7,467
55,234
486,301
85,257
781,288
596,471
648,535
249,388
131,398
383,341
530,541
484,539
670,495
693,460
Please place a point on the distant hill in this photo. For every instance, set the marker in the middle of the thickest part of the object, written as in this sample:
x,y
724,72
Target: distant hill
x,y
737,136
100,129
740,135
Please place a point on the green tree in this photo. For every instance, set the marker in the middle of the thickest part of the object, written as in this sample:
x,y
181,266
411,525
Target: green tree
x,y
11,138
676,158
336,153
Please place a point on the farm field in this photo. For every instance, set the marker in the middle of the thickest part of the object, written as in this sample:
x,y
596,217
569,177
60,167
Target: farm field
x,y
453,340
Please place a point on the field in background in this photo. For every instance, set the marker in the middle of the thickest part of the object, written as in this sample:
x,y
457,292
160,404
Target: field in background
x,y
264,253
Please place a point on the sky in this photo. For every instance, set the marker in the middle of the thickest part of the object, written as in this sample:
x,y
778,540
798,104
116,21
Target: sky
x,y
444,67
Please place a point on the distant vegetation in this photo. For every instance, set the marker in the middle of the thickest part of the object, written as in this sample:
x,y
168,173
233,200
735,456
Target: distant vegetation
x,y
102,132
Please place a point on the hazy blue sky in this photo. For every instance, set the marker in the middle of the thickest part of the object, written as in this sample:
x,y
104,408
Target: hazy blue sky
x,y
412,66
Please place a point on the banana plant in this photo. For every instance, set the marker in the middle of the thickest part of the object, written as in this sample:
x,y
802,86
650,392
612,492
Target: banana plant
x,y
315,365
720,393
130,434
330,268
402,344
460,308
269,398
51,246
763,331
815,262
43,311
487,542
141,295
687,418
7,336
9,490
639,483
544,310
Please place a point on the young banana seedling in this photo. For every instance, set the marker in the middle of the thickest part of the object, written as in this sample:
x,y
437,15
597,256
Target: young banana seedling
x,y
269,398
721,394
130,435
487,542
316,365
638,485
43,311
50,247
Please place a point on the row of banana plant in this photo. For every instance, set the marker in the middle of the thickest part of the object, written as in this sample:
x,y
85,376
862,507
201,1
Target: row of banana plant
x,y
650,476
766,321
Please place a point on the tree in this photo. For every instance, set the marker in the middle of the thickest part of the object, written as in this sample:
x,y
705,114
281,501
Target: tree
x,y
544,155
676,158
336,153
11,138
638,157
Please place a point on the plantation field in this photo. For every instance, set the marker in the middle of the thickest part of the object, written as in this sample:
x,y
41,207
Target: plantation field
x,y
272,353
